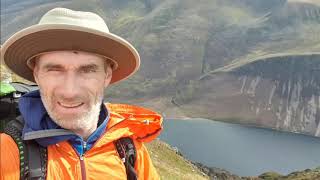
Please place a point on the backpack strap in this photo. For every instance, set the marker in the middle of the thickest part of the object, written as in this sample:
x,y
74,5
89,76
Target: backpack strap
x,y
13,129
33,157
127,153
37,161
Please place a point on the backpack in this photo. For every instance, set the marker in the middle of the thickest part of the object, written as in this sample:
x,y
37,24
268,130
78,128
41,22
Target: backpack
x,y
9,96
36,169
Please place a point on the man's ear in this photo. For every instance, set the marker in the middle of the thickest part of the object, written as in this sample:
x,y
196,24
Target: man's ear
x,y
108,76
35,73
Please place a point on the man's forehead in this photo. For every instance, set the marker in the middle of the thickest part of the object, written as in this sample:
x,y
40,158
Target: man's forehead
x,y
75,58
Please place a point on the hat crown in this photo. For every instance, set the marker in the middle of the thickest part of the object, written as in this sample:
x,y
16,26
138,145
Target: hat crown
x,y
76,18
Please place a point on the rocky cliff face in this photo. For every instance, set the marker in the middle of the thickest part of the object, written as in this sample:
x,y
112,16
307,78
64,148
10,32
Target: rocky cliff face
x,y
291,94
280,92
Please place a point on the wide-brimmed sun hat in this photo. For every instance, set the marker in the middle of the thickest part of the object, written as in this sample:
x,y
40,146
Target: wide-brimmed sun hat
x,y
64,29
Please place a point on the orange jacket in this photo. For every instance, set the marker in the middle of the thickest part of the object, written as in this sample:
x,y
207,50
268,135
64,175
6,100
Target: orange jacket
x,y
102,160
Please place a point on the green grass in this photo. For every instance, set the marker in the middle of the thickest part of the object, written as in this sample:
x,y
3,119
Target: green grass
x,y
235,15
170,165
315,2
124,21
307,174
233,66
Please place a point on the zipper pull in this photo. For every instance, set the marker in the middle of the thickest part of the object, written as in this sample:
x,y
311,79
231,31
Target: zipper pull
x,y
84,146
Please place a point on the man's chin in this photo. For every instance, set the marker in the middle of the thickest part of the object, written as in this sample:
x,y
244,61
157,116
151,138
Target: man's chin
x,y
75,120
68,124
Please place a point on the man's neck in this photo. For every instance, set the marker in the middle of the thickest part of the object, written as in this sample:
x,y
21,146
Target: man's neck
x,y
85,133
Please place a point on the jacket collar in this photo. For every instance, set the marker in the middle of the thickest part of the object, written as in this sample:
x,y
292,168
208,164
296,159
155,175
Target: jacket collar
x,y
131,121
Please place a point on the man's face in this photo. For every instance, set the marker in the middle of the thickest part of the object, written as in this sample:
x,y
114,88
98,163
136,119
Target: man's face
x,y
72,86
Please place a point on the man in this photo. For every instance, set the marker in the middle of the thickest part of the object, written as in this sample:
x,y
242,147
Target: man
x,y
72,57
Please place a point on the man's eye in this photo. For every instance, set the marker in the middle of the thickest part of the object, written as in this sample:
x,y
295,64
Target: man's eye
x,y
88,70
53,70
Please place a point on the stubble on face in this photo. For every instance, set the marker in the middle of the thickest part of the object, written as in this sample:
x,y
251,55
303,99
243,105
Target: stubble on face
x,y
77,122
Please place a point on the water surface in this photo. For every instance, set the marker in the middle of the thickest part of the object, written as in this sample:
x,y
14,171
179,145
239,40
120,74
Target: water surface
x,y
245,151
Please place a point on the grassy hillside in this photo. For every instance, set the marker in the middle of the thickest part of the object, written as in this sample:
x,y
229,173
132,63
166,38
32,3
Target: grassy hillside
x,y
307,174
171,165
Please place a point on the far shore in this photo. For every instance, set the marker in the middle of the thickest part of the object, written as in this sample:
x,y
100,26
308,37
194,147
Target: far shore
x,y
234,123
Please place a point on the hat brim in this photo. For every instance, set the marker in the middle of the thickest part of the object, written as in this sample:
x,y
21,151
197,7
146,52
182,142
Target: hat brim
x,y
38,39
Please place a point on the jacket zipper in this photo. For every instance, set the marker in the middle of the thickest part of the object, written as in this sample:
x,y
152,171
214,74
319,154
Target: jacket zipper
x,y
84,146
82,165
83,170
81,157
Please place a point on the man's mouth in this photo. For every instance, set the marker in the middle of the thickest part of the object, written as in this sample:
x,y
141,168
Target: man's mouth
x,y
70,105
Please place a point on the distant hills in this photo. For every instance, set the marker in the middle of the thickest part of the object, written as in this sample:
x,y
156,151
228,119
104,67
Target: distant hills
x,y
243,61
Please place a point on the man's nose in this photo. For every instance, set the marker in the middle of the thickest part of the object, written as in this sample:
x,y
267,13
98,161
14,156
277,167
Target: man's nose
x,y
70,86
